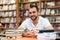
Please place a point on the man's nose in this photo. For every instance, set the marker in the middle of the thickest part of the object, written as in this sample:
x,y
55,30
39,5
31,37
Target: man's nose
x,y
32,13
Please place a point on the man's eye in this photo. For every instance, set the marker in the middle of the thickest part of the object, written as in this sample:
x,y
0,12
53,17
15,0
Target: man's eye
x,y
29,12
33,11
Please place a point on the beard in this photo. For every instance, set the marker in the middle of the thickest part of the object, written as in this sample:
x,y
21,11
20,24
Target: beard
x,y
33,17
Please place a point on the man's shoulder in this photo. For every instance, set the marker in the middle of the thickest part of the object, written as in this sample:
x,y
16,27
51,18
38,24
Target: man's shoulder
x,y
27,20
42,18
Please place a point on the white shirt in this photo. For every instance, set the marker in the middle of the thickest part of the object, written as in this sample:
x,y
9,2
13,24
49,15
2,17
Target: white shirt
x,y
41,25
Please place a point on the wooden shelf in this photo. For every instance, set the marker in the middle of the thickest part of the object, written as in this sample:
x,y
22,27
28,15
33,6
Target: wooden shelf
x,y
8,4
53,7
22,9
9,17
56,22
6,10
46,0
52,15
49,0
30,2
8,22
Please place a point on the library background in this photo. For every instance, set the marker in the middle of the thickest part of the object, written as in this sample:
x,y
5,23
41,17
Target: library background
x,y
14,12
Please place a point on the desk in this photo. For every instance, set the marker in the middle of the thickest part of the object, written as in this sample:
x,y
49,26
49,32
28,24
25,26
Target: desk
x,y
26,38
22,38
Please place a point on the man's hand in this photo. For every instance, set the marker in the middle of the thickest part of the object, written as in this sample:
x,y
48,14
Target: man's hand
x,y
30,34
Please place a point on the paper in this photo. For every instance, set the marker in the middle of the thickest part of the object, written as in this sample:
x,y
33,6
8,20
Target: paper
x,y
46,36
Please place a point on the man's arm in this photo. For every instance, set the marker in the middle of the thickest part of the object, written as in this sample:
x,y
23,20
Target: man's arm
x,y
49,28
29,34
47,24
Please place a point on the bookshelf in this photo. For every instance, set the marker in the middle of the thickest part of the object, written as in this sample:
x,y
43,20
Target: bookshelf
x,y
51,10
8,12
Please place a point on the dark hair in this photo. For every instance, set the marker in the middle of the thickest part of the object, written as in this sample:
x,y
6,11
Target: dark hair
x,y
34,5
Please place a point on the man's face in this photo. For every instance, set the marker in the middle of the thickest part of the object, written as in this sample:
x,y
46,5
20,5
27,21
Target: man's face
x,y
33,14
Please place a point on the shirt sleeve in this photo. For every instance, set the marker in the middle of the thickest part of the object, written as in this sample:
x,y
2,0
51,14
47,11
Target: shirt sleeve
x,y
47,23
23,25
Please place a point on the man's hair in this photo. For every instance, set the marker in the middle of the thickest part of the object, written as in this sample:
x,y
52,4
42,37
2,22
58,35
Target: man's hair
x,y
34,5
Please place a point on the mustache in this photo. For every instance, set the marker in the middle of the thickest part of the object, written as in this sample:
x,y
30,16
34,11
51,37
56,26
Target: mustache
x,y
33,16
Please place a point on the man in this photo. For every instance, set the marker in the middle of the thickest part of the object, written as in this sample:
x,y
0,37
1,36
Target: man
x,y
34,23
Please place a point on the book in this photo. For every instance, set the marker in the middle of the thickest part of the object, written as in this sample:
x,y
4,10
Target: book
x,y
5,1
21,6
50,4
1,8
10,7
11,26
27,13
43,12
8,1
3,14
13,7
2,20
26,6
7,20
52,11
58,3
23,13
14,13
57,19
13,20
10,14
33,0
7,26
12,1
48,11
21,0
42,5
5,7
58,11
0,1
6,14
0,14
